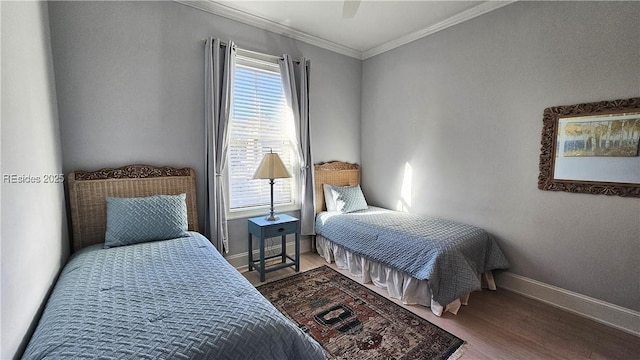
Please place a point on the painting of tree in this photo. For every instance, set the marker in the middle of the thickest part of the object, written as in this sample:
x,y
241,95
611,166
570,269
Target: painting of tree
x,y
601,137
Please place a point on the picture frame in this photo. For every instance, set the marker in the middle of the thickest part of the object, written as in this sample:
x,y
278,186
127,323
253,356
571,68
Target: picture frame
x,y
592,171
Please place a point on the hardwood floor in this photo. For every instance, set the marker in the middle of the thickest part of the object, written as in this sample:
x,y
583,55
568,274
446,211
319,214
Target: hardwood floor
x,y
504,325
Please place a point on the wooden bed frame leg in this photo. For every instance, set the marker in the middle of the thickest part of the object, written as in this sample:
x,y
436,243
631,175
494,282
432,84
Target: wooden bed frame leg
x,y
491,283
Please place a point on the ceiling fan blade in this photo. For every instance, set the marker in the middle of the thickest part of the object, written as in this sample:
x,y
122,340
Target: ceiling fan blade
x,y
350,8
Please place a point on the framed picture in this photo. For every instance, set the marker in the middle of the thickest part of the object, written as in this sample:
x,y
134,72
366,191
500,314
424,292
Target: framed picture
x,y
592,148
599,135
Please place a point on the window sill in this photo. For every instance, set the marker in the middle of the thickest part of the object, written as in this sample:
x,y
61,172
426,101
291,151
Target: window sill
x,y
264,210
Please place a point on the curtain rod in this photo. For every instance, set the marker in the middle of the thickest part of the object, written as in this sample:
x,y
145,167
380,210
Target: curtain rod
x,y
224,44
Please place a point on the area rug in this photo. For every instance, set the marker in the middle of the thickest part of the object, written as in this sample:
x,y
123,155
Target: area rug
x,y
353,322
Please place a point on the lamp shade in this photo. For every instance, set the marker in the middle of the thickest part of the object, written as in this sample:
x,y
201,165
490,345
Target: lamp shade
x,y
271,167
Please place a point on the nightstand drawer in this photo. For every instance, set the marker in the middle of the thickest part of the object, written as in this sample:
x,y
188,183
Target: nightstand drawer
x,y
280,229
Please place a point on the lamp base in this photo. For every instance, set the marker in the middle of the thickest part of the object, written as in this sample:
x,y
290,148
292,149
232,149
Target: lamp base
x,y
272,217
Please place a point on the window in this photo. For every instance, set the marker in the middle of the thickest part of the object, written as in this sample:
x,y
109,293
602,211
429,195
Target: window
x,y
260,121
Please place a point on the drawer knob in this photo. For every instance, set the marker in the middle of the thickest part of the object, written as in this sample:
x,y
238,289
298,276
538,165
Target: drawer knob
x,y
281,230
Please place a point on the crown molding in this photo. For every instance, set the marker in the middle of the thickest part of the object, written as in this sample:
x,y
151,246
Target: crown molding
x,y
265,24
469,14
227,12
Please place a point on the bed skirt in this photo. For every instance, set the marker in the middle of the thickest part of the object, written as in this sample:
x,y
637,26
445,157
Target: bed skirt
x,y
399,285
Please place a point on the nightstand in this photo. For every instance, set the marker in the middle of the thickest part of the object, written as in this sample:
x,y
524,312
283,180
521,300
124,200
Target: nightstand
x,y
264,229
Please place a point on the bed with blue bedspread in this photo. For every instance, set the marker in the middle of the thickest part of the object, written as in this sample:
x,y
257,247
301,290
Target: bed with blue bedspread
x,y
148,298
419,259
169,299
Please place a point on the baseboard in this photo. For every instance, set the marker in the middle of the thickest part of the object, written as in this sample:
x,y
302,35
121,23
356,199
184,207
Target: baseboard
x,y
603,312
241,261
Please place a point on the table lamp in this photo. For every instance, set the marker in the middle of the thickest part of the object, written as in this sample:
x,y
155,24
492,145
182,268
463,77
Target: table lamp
x,y
271,168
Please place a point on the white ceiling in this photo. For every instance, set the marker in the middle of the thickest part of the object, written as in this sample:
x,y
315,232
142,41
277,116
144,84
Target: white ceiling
x,y
377,26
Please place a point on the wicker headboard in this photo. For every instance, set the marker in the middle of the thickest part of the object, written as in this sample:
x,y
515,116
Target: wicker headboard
x,y
88,192
334,173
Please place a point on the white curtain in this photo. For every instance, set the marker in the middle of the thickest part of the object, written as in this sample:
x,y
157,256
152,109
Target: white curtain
x,y
219,60
295,81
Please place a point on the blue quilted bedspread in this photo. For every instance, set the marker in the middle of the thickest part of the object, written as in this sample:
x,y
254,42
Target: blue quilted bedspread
x,y
172,299
449,255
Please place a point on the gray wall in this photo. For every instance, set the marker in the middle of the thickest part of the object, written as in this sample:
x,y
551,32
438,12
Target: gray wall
x,y
464,109
34,230
129,78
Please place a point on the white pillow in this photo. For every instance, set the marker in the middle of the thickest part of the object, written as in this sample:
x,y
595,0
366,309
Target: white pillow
x,y
328,197
348,198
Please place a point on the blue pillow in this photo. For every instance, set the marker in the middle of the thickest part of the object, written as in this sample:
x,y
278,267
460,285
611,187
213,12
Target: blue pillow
x,y
348,198
136,220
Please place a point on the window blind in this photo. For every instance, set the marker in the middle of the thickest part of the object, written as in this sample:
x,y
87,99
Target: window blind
x,y
260,121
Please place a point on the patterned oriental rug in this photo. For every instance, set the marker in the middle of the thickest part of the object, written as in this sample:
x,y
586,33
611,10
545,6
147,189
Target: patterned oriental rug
x,y
353,322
